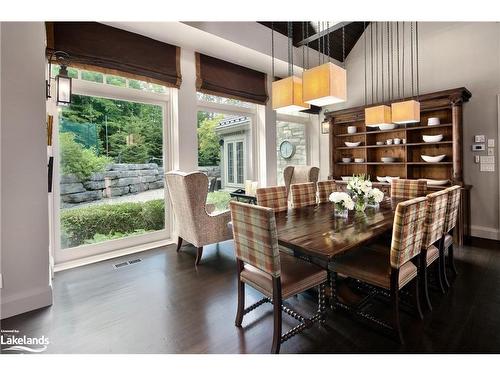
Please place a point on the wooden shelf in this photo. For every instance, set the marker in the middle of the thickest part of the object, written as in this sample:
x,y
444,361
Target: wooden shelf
x,y
373,163
430,143
428,126
426,163
408,128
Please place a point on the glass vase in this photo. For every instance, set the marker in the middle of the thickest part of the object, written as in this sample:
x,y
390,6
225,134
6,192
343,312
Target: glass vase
x,y
360,204
341,211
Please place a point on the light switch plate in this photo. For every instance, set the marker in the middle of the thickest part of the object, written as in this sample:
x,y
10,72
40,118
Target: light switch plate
x,y
476,159
487,160
479,138
491,143
486,167
478,147
491,151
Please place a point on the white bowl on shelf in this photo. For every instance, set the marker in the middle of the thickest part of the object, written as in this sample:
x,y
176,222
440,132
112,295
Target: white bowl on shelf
x,y
433,159
381,179
389,178
387,126
379,143
345,178
433,121
387,159
351,130
432,138
359,160
346,160
432,182
352,144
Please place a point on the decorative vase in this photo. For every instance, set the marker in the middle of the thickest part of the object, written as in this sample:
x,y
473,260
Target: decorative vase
x,y
371,203
341,211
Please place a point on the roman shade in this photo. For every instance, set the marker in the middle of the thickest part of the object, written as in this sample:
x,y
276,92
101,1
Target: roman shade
x,y
222,78
98,47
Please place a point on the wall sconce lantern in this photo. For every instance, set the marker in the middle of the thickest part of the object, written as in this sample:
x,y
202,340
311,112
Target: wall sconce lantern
x,y
63,80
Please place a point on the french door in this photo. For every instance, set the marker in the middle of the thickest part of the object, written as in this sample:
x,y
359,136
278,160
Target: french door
x,y
235,162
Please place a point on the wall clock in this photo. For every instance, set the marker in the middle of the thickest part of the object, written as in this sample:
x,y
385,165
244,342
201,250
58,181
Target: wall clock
x,y
287,149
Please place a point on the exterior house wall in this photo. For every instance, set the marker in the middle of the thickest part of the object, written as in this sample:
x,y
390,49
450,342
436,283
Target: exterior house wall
x,y
295,133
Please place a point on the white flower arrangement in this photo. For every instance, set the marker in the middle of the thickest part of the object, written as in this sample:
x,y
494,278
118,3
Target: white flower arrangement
x,y
375,196
341,200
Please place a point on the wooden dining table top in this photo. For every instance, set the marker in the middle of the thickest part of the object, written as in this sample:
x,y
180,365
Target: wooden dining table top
x,y
316,231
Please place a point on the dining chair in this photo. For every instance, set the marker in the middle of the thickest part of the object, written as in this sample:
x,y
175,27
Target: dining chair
x,y
276,275
193,218
303,194
387,270
431,243
449,224
325,188
408,189
274,197
297,174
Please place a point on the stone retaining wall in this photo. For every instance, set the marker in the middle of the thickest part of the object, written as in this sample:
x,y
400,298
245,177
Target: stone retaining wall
x,y
117,180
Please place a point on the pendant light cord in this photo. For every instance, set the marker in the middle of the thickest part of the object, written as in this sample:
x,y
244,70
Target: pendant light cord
x,y
397,57
371,57
377,58
382,60
328,41
319,44
272,51
364,41
418,77
388,65
343,45
403,62
303,47
411,56
290,50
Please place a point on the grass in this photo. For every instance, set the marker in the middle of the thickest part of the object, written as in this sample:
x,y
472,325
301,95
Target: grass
x,y
220,199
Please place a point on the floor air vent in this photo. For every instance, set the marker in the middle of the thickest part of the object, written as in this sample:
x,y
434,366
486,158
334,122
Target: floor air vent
x,y
127,263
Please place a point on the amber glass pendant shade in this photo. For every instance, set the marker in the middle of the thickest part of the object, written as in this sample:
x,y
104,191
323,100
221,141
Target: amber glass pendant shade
x,y
287,95
406,112
324,85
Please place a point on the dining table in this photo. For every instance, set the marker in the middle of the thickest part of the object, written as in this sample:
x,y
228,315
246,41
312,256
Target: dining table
x,y
316,232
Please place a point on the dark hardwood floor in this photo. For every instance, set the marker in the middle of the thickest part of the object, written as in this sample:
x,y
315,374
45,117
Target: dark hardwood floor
x,y
166,305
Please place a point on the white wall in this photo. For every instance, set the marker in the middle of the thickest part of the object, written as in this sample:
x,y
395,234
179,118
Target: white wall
x,y
24,222
453,54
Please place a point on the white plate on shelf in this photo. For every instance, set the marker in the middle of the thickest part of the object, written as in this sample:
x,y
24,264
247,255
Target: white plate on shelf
x,y
352,144
432,138
359,160
387,126
433,159
346,160
381,179
345,178
432,182
388,159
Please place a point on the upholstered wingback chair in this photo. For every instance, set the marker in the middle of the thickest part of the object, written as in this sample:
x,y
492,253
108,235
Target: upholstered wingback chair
x,y
297,174
188,194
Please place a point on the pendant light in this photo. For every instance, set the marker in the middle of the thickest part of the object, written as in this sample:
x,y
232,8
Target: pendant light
x,y
408,111
380,114
287,92
325,84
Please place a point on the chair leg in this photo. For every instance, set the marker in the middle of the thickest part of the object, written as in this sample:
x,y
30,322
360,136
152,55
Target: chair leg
x,y
417,299
199,253
423,281
395,304
275,349
451,260
179,243
440,277
241,296
442,270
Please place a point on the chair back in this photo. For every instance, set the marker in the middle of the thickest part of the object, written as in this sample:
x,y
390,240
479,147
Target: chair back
x,y
274,197
325,188
255,237
297,174
303,194
407,231
188,194
408,189
452,208
435,217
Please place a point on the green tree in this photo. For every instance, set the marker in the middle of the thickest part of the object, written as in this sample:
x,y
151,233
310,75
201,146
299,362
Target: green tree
x,y
208,141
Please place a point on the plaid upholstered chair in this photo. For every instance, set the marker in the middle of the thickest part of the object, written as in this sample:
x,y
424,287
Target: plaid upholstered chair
x,y
188,194
274,197
433,235
450,223
297,174
303,194
408,189
389,270
325,188
276,275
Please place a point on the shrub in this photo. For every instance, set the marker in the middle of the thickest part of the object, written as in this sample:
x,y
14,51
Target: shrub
x,y
78,160
107,221
220,199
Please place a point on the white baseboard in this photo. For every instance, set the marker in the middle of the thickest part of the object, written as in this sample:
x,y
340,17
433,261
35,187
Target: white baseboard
x,y
26,301
485,232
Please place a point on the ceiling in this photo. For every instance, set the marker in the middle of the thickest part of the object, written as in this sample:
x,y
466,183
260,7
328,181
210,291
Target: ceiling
x,y
353,31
